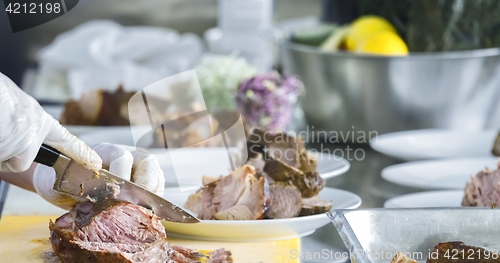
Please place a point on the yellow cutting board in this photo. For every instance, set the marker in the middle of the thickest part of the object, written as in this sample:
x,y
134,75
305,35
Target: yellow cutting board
x,y
26,238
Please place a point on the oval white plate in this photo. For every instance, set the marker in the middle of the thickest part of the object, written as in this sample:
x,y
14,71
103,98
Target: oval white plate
x,y
448,198
328,165
434,144
438,174
257,230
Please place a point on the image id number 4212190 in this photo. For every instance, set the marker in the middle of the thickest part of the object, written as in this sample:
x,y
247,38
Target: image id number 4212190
x,y
33,8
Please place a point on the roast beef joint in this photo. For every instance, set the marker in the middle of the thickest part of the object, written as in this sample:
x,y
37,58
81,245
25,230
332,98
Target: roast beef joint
x,y
112,231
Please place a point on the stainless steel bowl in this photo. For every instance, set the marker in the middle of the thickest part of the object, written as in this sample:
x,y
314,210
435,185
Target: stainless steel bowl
x,y
354,93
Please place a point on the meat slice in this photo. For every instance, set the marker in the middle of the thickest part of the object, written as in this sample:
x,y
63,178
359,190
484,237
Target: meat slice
x,y
483,189
99,108
239,196
402,258
195,204
258,164
315,205
202,203
219,256
445,253
283,147
307,162
114,231
309,184
285,201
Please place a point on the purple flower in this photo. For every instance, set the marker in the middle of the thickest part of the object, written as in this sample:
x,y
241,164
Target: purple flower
x,y
267,100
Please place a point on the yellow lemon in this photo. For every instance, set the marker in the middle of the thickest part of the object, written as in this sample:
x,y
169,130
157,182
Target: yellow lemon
x,y
365,26
384,43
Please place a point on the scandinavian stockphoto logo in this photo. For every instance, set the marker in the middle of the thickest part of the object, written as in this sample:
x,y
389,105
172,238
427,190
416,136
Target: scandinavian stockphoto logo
x,y
170,119
25,14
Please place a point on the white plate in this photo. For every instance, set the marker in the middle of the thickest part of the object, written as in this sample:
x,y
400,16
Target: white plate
x,y
257,230
328,165
56,111
438,174
434,144
449,198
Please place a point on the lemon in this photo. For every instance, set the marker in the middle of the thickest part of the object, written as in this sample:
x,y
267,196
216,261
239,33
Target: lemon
x,y
384,43
364,27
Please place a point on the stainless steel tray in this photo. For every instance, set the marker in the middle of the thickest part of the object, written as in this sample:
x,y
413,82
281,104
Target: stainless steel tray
x,y
376,235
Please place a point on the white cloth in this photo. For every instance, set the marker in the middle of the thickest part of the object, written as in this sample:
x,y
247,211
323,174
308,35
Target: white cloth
x,y
104,54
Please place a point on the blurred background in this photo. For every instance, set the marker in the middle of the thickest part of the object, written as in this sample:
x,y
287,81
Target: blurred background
x,y
437,66
18,51
343,71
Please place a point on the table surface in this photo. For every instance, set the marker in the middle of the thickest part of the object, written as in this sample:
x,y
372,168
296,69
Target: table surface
x,y
364,179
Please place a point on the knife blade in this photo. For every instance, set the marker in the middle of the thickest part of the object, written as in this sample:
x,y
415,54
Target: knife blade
x,y
85,185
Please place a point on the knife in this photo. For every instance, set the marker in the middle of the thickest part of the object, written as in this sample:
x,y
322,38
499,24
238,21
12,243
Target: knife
x,y
85,185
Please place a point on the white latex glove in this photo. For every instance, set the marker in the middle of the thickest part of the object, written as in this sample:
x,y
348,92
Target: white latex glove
x,y
124,161
24,126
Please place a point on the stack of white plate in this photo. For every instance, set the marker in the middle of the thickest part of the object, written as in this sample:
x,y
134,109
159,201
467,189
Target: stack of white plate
x,y
440,160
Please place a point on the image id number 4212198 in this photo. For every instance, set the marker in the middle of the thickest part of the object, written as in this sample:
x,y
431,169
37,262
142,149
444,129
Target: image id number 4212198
x,y
33,8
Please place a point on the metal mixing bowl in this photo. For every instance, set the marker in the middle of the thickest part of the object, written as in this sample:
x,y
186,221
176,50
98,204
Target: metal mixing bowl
x,y
355,93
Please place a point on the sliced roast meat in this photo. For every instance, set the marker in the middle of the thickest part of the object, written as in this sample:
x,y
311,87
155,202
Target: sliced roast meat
x,y
284,147
115,231
307,162
315,205
250,205
230,188
285,201
258,163
202,203
483,189
209,179
99,108
239,196
309,184
220,256
281,172
402,258
445,253
195,204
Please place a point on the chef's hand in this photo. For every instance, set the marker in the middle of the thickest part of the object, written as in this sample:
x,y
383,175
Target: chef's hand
x,y
24,126
123,161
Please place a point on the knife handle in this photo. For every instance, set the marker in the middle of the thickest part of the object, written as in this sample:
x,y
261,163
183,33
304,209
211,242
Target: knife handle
x,y
47,155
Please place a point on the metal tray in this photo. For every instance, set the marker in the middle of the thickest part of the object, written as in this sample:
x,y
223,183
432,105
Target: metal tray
x,y
377,235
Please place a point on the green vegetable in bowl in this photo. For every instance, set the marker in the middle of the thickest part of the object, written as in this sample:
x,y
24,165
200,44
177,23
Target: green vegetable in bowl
x,y
313,36
334,41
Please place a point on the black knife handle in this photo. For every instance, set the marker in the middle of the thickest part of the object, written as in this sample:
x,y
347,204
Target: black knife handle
x,y
47,155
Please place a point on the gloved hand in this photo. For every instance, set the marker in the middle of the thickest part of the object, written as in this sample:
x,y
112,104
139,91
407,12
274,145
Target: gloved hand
x,y
124,161
24,126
